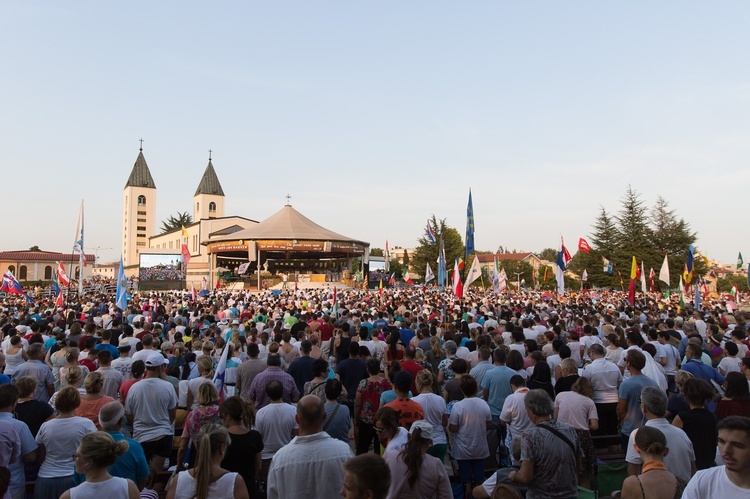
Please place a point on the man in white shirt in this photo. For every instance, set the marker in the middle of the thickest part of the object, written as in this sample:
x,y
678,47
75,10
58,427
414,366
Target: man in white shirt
x,y
680,460
276,423
124,362
514,414
732,479
151,407
148,348
605,378
310,465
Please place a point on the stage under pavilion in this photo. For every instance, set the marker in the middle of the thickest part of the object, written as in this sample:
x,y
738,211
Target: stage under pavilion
x,y
285,244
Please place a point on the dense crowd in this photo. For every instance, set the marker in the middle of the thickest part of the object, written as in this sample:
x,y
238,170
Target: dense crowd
x,y
408,392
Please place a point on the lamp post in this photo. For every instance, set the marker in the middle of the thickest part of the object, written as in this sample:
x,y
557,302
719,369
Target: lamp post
x,y
518,278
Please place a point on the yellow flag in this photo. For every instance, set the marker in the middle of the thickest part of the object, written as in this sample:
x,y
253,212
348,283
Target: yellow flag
x,y
634,269
184,232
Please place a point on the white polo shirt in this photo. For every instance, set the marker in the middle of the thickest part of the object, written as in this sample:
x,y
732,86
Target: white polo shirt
x,y
605,378
514,413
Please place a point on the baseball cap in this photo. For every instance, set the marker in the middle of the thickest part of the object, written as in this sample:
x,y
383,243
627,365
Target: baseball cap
x,y
155,360
425,427
123,344
235,322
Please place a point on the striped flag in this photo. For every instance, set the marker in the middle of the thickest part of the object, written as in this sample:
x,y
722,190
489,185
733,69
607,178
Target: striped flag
x,y
430,233
62,277
221,369
78,247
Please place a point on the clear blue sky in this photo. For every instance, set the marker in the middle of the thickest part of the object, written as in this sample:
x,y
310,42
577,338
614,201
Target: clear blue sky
x,y
375,115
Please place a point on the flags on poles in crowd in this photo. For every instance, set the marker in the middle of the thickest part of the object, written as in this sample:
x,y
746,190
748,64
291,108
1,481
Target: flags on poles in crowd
x,y
221,369
664,271
634,271
469,227
193,291
392,280
334,308
688,273
682,296
583,245
407,277
442,267
184,247
62,277
475,272
503,281
697,298
585,276
78,247
740,261
607,266
458,287
121,299
10,284
242,268
428,276
429,233
563,257
387,257
55,283
651,277
644,288
380,288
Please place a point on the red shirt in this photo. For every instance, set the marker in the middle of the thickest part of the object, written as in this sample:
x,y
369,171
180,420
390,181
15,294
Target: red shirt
x,y
412,368
125,388
326,332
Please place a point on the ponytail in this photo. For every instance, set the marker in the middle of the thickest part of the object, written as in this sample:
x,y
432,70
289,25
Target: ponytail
x,y
413,456
203,466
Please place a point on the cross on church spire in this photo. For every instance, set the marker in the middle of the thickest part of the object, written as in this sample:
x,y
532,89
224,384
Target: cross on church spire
x,y
141,141
289,200
209,154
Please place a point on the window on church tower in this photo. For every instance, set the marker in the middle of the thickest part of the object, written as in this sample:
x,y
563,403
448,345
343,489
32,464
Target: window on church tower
x,y
211,206
141,200
22,273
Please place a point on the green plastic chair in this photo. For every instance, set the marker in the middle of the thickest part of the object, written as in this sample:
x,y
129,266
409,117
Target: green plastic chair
x,y
584,493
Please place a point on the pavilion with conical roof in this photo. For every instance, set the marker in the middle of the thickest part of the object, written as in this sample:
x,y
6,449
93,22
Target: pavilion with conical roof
x,y
288,242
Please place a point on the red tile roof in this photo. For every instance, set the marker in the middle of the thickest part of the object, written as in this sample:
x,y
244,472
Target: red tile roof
x,y
45,256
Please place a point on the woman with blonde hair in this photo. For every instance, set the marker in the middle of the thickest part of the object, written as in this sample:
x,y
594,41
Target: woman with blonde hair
x,y
72,358
207,412
208,480
73,377
434,408
97,452
206,375
93,399
435,354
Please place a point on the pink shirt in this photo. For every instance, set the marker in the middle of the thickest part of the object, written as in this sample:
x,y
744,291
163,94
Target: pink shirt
x,y
575,410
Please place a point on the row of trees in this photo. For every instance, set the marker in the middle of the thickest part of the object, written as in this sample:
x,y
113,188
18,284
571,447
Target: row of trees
x,y
636,230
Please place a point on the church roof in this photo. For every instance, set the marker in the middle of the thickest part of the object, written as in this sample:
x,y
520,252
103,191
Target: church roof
x,y
288,223
210,182
140,176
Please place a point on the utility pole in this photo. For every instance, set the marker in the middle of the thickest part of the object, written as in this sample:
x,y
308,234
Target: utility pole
x,y
96,253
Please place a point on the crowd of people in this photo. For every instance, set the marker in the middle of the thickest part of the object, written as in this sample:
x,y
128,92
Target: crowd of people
x,y
408,392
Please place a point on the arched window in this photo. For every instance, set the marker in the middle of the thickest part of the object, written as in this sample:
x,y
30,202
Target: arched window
x,y
22,271
197,207
48,272
141,200
12,269
78,272
211,206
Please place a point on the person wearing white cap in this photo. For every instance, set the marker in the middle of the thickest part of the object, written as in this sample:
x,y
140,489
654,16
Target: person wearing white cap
x,y
151,407
414,473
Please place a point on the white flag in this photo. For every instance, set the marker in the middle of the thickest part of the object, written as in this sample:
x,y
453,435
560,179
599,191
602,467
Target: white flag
x,y
243,268
585,276
644,288
503,280
428,276
475,272
78,248
664,272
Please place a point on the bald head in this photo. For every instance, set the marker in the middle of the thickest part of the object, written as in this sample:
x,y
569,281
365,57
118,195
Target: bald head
x,y
310,415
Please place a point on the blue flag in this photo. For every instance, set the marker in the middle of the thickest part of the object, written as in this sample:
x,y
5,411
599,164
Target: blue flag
x,y
122,284
55,283
442,271
469,228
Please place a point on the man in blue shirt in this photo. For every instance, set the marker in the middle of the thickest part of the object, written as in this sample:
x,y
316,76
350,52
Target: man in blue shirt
x,y
496,388
697,368
629,395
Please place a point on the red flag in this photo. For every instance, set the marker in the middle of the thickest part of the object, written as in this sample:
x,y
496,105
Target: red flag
x,y
218,284
61,275
193,291
583,245
461,264
458,287
59,302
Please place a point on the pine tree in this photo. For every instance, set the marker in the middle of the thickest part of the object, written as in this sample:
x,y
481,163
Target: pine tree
x,y
636,235
427,252
672,236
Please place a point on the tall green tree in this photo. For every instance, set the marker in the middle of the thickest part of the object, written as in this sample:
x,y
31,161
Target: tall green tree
x,y
549,254
515,267
176,221
672,235
427,252
604,241
377,252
